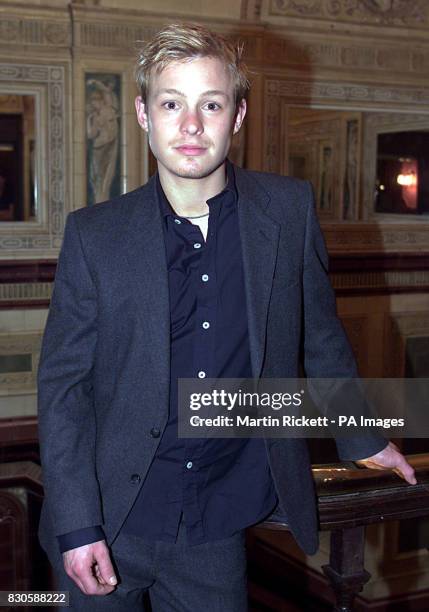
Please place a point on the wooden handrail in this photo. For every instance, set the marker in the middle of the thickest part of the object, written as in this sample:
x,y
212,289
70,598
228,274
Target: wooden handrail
x,y
21,472
349,497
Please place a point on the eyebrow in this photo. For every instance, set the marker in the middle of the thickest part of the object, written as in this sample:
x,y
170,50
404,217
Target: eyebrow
x,y
209,92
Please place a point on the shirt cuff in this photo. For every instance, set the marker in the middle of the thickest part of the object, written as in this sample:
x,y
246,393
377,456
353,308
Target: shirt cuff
x,y
80,537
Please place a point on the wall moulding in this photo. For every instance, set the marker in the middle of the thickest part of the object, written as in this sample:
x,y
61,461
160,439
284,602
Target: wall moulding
x,y
371,238
42,28
402,13
308,49
42,237
329,94
20,354
96,28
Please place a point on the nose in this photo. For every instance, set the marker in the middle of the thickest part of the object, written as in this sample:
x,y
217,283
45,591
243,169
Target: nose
x,y
192,124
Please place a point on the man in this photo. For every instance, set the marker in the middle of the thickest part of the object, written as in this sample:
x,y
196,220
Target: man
x,y
206,271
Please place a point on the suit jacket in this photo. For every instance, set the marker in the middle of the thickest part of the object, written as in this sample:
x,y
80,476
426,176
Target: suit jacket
x,y
104,369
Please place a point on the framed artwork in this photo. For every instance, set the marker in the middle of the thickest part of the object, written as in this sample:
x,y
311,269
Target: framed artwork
x,y
350,186
326,177
103,135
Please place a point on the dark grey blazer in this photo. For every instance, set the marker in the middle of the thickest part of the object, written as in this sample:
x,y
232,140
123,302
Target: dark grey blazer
x,y
104,369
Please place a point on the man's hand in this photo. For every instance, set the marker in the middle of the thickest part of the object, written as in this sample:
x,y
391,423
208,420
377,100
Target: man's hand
x,y
390,457
90,568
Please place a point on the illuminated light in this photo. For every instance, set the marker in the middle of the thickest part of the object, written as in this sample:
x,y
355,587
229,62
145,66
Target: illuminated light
x,y
407,180
382,187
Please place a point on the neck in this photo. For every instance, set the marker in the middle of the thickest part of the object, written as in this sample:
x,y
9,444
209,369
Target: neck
x,y
188,196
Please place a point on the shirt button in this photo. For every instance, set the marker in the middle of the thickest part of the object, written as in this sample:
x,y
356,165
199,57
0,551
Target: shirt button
x,y
189,465
154,432
205,278
197,245
178,221
206,325
135,479
201,374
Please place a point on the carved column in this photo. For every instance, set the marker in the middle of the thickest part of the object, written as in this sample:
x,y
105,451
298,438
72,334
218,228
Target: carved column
x,y
345,570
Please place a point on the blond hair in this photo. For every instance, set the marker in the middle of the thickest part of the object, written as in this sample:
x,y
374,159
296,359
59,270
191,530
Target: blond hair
x,y
179,42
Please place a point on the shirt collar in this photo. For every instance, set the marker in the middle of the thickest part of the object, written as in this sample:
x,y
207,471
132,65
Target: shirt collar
x,y
230,189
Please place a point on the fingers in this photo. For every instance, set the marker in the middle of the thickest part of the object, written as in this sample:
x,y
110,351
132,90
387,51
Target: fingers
x,y
400,465
90,568
390,457
405,471
105,568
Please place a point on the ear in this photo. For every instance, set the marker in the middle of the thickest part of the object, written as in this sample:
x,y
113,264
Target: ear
x,y
141,113
239,115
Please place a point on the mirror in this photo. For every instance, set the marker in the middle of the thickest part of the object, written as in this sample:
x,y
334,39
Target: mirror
x,y
361,163
402,185
18,146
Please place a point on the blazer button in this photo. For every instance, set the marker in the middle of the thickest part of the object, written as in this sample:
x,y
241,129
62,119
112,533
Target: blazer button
x,y
154,432
135,479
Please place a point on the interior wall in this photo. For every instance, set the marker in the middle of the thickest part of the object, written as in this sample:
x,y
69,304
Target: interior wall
x,y
345,55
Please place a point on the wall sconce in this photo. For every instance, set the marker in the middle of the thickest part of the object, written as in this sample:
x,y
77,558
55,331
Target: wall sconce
x,y
407,180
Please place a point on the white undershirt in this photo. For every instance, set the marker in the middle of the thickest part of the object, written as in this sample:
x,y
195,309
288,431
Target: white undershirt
x,y
203,224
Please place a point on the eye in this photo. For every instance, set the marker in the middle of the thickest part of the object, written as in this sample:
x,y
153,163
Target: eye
x,y
211,106
170,105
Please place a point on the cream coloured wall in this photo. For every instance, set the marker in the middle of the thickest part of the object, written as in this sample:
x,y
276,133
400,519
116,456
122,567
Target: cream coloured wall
x,y
223,9
300,53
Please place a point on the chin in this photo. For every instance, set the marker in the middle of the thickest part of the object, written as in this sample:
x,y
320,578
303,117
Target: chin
x,y
194,170
195,173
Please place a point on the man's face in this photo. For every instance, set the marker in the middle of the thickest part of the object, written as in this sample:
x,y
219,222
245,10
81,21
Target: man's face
x,y
190,117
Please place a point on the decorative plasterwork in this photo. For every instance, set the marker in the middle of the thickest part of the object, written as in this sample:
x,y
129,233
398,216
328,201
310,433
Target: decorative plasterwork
x,y
25,292
348,92
349,95
389,12
28,31
379,56
376,238
390,279
31,238
93,34
111,35
20,344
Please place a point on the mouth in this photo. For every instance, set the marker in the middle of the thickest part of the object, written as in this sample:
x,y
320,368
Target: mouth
x,y
191,150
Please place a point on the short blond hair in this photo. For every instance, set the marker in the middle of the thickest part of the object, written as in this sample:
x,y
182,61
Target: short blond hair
x,y
179,42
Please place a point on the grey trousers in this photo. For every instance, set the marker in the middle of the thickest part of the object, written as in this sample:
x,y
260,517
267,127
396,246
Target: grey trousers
x,y
207,577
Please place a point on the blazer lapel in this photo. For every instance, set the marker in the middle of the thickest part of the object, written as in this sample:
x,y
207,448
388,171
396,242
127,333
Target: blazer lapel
x,y
259,239
147,260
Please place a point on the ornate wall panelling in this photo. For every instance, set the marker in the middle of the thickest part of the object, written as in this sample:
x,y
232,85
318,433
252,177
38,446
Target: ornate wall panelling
x,y
355,57
33,38
408,13
283,94
41,237
37,31
19,359
330,95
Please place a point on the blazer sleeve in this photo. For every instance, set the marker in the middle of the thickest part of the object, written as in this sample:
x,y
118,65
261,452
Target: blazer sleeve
x,y
327,351
67,426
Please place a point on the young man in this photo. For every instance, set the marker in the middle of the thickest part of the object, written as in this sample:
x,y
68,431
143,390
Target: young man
x,y
206,271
